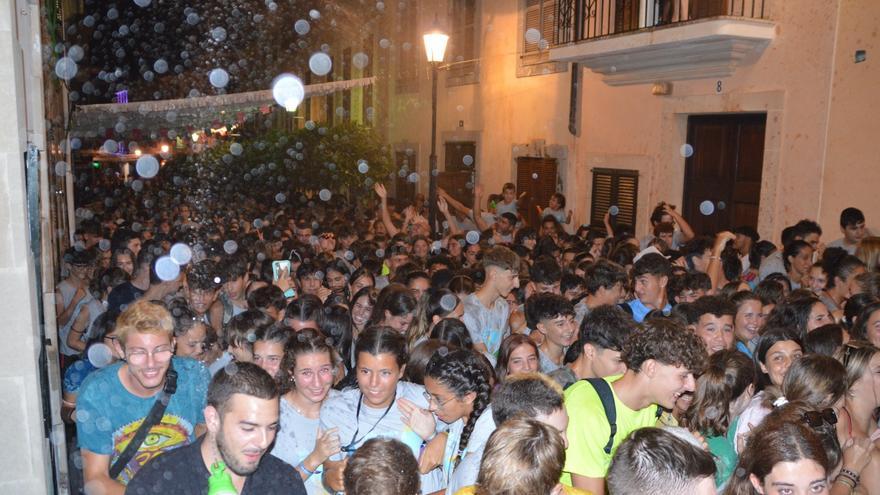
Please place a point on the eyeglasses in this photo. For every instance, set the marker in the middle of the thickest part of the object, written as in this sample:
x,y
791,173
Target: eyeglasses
x,y
816,418
430,398
139,356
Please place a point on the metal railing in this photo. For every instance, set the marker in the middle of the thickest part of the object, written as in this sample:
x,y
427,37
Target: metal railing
x,y
580,20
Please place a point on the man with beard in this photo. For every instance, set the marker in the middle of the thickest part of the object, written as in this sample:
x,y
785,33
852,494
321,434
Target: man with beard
x,y
242,420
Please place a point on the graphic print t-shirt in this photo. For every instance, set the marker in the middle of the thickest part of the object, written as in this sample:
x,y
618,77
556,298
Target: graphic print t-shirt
x,y
487,326
108,415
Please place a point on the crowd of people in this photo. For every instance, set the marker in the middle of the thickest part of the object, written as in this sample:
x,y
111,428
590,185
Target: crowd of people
x,y
256,348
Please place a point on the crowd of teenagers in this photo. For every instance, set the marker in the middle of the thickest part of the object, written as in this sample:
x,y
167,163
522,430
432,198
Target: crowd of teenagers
x,y
254,348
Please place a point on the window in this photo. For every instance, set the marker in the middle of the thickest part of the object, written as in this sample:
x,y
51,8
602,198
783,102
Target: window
x,y
464,43
539,31
409,48
614,187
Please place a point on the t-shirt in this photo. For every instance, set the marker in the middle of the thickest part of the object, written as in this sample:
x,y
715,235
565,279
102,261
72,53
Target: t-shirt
x,y
123,295
640,311
501,207
589,430
581,310
487,326
838,243
183,472
341,412
751,417
564,376
547,364
108,415
677,240
723,450
76,374
771,264
559,215
296,440
468,468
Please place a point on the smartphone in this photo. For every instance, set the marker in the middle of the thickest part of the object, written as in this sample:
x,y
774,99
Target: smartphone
x,y
280,268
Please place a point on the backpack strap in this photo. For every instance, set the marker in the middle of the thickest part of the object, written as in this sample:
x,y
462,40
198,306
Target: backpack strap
x,y
607,397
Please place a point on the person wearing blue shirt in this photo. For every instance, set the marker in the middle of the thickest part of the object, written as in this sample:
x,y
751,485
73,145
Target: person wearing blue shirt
x,y
650,276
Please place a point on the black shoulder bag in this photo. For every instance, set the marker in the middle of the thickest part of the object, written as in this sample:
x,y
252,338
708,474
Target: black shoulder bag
x,y
151,420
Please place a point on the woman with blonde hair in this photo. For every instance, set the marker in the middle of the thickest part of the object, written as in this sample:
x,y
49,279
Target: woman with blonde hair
x,y
869,252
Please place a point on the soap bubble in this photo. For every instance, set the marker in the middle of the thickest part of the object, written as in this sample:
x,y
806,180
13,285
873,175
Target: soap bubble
x,y
110,146
535,175
76,53
236,149
325,195
448,302
721,205
65,68
472,237
280,198
413,177
137,185
218,77
384,43
104,244
302,27
61,168
614,210
230,247
380,253
166,269
707,207
360,60
288,91
314,14
468,160
686,150
218,33
142,3
100,355
160,66
147,166
320,64
363,167
181,253
192,19
533,35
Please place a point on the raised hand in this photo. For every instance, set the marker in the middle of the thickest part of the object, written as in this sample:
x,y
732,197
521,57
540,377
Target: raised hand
x,y
380,190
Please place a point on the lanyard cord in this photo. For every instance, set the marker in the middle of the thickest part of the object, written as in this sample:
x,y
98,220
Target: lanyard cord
x,y
354,439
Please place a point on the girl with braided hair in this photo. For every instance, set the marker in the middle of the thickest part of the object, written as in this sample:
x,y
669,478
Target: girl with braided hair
x,y
458,388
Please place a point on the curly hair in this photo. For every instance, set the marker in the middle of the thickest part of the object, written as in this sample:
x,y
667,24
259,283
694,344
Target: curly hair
x,y
462,372
667,342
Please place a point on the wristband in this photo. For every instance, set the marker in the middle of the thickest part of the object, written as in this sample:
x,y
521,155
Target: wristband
x,y
852,474
302,467
289,293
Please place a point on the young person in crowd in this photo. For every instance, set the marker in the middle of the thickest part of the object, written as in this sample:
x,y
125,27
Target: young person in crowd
x,y
518,353
852,225
242,422
551,315
382,466
486,311
650,275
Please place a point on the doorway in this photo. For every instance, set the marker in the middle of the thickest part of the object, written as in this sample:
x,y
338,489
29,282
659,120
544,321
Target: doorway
x,y
725,158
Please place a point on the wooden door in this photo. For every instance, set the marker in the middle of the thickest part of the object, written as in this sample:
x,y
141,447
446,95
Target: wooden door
x,y
404,189
722,187
537,176
457,177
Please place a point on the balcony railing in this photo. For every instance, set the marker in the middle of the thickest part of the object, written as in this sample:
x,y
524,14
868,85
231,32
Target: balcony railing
x,y
581,20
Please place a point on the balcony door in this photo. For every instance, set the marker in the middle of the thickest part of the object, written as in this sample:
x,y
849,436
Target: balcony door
x,y
723,171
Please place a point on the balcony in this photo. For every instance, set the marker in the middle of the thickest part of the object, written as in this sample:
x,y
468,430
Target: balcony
x,y
645,41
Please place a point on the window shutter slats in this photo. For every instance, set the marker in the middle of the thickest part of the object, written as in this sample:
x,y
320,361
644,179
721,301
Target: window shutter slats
x,y
614,187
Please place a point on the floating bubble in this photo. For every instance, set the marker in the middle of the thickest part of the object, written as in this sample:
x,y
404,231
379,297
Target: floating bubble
x,y
380,253
112,14
384,43
302,27
325,195
472,237
288,91
147,166
236,149
448,302
61,168
160,66
436,246
218,77
100,355
280,198
76,53
258,223
535,175
468,160
707,207
363,167
320,64
104,244
181,253
533,35
75,143
65,68
614,210
686,150
230,247
89,21
137,185
413,177
142,3
721,205
380,6
348,255
360,60
192,19
314,14
218,33
166,269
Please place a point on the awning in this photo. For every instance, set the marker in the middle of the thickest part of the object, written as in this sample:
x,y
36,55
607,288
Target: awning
x,y
200,112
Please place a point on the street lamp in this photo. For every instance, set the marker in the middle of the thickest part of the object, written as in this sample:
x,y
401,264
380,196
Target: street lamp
x,y
435,50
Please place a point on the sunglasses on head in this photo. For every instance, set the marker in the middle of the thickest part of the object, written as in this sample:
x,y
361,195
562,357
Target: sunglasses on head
x,y
816,418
